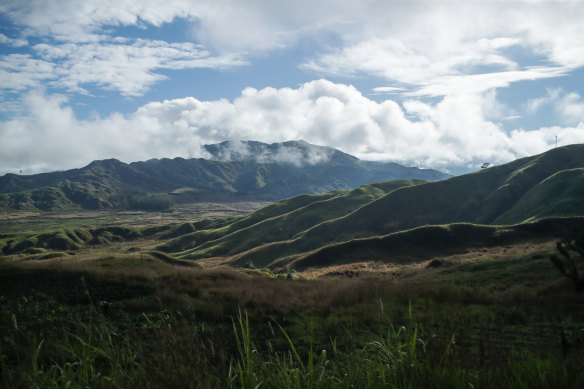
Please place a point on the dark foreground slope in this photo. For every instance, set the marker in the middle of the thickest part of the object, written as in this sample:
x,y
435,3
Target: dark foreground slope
x,y
275,172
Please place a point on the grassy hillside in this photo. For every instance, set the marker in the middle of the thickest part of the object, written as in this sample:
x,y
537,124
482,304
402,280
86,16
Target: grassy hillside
x,y
479,197
363,220
64,239
545,185
560,194
425,243
280,221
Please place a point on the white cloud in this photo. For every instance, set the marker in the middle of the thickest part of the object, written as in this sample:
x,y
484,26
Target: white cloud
x,y
534,105
21,71
571,108
388,89
393,58
84,21
535,141
439,48
454,131
453,47
297,153
479,83
129,68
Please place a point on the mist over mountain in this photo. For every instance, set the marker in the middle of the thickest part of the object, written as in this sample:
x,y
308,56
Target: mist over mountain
x,y
235,171
297,153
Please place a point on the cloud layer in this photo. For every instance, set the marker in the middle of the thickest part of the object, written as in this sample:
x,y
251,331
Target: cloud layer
x,y
443,61
454,131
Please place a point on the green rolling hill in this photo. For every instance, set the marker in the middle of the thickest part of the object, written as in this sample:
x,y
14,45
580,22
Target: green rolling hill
x,y
545,185
279,221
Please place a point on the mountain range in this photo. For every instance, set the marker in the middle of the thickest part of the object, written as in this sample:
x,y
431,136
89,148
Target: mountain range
x,y
533,199
234,170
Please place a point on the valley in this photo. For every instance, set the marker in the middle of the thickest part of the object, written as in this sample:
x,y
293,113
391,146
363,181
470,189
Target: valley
x,y
399,283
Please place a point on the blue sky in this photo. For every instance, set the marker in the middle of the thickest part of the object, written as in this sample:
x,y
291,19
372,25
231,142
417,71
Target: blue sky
x,y
442,84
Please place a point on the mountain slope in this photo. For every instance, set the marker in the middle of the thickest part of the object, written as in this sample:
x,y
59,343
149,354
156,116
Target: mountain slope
x,y
549,184
424,243
265,172
253,231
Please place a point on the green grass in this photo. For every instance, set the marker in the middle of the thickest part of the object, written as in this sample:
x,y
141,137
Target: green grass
x,y
559,194
415,245
195,331
279,221
546,185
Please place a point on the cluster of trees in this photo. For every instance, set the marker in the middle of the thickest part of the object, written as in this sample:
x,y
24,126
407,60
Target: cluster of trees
x,y
145,202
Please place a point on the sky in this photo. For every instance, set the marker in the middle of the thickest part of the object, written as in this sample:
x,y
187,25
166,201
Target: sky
x,y
437,84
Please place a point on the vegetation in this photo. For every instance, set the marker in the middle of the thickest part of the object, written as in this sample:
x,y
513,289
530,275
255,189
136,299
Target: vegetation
x,y
127,321
547,185
279,221
340,289
569,248
149,203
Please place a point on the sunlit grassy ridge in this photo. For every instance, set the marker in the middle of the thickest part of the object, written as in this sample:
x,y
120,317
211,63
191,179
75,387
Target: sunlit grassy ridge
x,y
559,194
281,221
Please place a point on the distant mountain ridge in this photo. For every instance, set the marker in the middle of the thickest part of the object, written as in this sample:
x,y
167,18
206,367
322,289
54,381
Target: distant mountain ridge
x,y
238,170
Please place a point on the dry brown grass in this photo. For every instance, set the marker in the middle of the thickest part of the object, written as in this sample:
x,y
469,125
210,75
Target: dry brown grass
x,y
398,270
216,289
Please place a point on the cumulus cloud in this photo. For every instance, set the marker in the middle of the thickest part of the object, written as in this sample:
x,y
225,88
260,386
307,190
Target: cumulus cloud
x,y
454,131
571,108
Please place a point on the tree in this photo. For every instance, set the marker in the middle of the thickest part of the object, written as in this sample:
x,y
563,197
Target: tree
x,y
570,248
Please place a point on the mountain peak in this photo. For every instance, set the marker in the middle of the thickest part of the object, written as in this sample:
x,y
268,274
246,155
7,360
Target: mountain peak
x,y
293,152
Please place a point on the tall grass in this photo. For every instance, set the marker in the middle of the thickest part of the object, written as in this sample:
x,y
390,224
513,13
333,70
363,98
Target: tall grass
x,y
217,329
397,360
